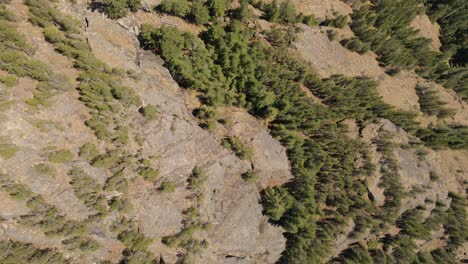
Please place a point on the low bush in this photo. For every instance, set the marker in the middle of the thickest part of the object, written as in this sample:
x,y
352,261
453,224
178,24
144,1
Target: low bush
x,y
149,174
88,190
45,169
14,252
249,176
9,80
150,112
234,144
178,8
88,151
61,156
8,150
167,187
197,178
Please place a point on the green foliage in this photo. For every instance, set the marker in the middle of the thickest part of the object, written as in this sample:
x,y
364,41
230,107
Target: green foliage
x,y
7,150
430,103
338,22
453,136
281,38
106,160
119,204
456,79
45,169
217,7
456,224
82,243
410,223
135,242
149,174
434,176
14,252
150,112
115,9
117,182
61,156
402,50
9,80
276,201
178,8
356,253
88,151
452,18
199,13
390,179
208,115
197,178
355,44
227,65
134,5
241,151
167,187
100,89
88,190
42,215
249,176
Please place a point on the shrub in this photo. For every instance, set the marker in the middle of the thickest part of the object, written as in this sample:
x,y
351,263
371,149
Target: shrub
x,y
167,187
106,160
430,103
88,151
275,202
45,169
88,190
149,174
117,182
249,176
8,150
19,252
115,8
178,8
53,35
434,176
234,144
134,240
199,14
61,156
197,178
338,22
120,204
355,44
150,112
9,80
134,5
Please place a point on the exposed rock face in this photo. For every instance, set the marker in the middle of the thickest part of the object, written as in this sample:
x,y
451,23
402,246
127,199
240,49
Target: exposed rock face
x,y
269,160
427,29
239,233
238,227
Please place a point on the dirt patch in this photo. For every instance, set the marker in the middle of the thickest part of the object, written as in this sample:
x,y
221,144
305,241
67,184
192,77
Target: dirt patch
x,y
427,29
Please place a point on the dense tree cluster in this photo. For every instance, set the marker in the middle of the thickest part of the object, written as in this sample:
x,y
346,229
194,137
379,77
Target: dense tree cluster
x,y
229,66
452,17
385,27
119,8
198,11
430,103
283,12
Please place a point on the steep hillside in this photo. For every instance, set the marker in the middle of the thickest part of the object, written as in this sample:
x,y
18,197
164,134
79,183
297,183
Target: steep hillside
x,y
223,131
